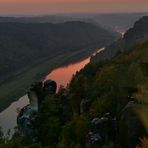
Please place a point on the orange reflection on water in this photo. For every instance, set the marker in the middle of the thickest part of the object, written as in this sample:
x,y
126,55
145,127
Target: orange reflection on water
x,y
64,74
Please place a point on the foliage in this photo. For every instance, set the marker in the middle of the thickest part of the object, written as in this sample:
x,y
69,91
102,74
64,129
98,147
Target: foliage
x,y
78,90
108,86
74,133
51,39
48,122
143,143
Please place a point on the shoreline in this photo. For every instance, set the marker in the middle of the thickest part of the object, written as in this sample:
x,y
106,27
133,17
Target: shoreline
x,y
26,78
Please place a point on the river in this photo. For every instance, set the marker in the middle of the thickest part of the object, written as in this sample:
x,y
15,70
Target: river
x,y
61,75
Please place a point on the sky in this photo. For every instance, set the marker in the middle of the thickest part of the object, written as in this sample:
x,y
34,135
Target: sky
x,y
71,6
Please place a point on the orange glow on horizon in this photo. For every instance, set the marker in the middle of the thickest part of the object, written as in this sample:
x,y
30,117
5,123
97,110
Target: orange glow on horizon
x,y
70,6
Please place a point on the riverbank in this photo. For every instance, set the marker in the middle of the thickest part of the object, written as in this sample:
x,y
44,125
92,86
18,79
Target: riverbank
x,y
17,86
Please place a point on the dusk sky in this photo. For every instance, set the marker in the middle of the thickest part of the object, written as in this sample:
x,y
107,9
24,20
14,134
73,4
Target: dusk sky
x,y
71,6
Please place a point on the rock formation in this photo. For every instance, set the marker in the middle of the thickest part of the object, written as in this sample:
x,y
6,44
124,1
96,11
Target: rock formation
x,y
28,114
102,130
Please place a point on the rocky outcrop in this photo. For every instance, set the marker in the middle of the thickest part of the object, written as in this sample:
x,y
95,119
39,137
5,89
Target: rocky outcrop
x,y
28,114
103,129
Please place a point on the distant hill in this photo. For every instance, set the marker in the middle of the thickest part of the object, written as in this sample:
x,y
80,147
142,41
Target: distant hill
x,y
115,21
25,44
36,19
137,34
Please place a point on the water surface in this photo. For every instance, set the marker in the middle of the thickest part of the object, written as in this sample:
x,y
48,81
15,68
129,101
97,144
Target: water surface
x,y
64,74
61,75
9,115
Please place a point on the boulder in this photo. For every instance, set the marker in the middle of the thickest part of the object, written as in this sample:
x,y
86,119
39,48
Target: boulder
x,y
102,130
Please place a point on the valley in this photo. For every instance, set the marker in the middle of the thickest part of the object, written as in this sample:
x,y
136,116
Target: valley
x,y
28,51
86,86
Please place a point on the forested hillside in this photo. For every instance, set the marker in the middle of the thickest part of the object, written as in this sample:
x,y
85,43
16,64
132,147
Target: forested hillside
x,y
104,106
136,34
24,45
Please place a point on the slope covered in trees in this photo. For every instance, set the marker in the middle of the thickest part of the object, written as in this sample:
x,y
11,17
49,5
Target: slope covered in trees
x,y
117,86
108,87
105,105
23,45
138,33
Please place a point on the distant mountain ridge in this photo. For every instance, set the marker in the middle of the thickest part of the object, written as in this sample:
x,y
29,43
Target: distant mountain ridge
x,y
113,21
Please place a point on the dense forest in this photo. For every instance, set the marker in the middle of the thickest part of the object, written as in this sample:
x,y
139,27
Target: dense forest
x,y
104,106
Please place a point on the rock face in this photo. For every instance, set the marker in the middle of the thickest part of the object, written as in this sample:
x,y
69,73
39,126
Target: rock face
x,y
29,112
102,130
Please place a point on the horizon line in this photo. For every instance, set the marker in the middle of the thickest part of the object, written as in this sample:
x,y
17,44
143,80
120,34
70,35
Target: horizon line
x,y
73,13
